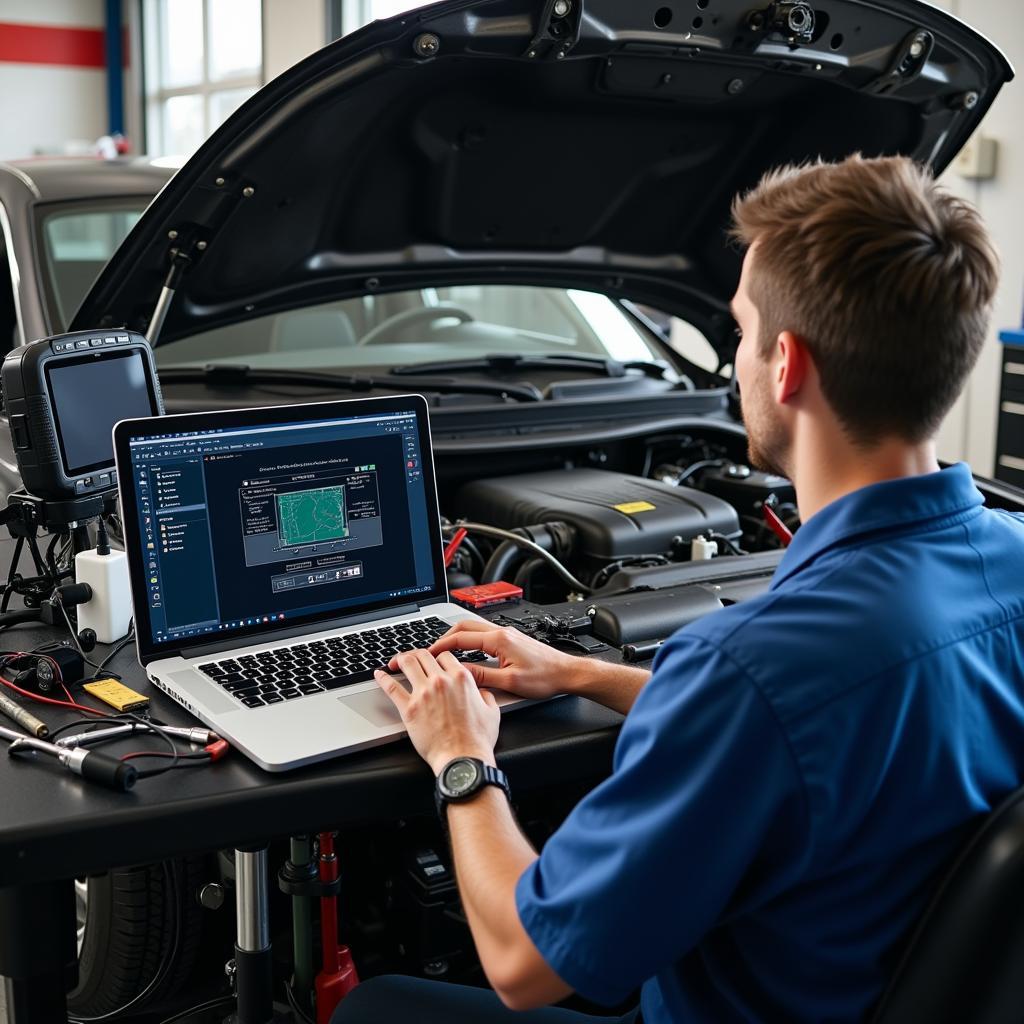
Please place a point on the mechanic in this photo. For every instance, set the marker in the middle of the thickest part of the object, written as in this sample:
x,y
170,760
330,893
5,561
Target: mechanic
x,y
799,769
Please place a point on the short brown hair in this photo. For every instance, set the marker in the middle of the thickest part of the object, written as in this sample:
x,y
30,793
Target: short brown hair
x,y
887,278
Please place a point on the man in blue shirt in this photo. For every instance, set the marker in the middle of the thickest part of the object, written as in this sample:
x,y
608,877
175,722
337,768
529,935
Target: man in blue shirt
x,y
797,770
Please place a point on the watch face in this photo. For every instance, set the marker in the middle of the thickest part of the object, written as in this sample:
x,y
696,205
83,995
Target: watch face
x,y
460,777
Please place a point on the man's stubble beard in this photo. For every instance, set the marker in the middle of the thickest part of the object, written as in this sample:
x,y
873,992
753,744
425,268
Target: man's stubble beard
x,y
767,442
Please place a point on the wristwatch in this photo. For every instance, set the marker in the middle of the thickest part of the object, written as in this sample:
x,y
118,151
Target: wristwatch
x,y
462,779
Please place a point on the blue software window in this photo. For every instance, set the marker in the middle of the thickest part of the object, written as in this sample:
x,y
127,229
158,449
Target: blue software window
x,y
261,525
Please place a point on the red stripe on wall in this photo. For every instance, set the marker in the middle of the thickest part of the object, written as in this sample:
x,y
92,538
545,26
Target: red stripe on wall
x,y
52,44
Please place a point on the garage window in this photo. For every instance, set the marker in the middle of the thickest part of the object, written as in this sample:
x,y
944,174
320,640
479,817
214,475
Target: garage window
x,y
348,15
203,59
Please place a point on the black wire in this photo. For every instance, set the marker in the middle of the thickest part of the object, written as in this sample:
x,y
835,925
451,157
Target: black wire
x,y
198,754
192,760
146,723
696,467
118,648
294,1004
166,737
51,564
731,545
208,1005
183,762
101,669
474,553
105,720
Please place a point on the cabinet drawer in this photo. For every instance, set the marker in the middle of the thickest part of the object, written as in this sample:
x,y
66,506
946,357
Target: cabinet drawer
x,y
1013,376
1010,469
1011,429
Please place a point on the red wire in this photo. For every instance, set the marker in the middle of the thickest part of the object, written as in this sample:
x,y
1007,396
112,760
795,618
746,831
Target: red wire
x,y
453,545
50,700
778,527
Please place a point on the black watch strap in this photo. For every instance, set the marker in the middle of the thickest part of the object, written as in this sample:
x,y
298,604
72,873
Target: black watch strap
x,y
496,777
488,775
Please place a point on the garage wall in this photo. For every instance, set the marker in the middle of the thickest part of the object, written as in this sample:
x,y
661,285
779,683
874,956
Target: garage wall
x,y
58,94
970,430
292,30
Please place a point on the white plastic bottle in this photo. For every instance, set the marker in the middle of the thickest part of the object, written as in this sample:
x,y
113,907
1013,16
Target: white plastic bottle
x,y
109,611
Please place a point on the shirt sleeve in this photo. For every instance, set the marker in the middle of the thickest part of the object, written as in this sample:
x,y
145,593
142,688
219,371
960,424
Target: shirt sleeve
x,y
704,812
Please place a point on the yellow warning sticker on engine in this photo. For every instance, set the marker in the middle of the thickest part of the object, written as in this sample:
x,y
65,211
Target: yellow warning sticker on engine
x,y
630,508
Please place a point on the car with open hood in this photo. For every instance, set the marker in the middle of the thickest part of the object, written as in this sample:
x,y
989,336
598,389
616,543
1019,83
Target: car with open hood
x,y
519,209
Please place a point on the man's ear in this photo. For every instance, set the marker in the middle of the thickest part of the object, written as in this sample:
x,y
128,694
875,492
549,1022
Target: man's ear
x,y
791,366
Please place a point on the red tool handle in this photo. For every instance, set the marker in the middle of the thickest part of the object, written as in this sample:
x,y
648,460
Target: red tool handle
x,y
338,976
778,527
453,546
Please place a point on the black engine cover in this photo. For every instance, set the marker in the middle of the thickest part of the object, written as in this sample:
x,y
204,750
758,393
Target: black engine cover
x,y
615,515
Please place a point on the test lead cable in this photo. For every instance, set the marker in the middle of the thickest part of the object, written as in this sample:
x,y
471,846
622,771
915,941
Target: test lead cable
x,y
90,764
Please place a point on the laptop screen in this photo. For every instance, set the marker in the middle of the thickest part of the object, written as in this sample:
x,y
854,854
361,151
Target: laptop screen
x,y
255,527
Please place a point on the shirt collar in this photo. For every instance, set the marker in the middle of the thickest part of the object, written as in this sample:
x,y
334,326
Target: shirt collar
x,y
880,508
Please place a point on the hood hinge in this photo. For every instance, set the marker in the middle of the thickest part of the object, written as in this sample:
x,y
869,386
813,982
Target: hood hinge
x,y
909,61
558,32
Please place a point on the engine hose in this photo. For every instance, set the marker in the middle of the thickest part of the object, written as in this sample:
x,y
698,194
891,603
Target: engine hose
x,y
499,565
522,540
695,467
524,576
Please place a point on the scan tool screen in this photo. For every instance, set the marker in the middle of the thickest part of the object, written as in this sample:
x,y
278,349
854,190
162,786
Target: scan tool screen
x,y
256,526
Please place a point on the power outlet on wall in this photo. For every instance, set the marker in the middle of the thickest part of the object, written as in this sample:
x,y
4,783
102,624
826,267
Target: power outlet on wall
x,y
977,160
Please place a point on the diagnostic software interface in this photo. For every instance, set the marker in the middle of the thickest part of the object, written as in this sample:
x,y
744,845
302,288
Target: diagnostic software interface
x,y
254,526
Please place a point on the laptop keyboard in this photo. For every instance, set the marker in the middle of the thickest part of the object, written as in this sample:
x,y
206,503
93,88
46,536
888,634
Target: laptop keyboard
x,y
287,673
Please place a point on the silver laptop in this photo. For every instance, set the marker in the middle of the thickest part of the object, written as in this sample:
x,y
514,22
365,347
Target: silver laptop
x,y
278,556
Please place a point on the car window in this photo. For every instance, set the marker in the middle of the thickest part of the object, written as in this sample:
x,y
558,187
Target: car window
x,y
77,244
429,324
692,345
685,339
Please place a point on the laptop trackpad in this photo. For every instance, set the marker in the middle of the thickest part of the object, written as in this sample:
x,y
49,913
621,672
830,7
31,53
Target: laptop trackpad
x,y
374,706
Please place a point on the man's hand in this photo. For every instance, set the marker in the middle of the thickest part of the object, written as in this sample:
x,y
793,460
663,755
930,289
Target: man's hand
x,y
526,667
446,713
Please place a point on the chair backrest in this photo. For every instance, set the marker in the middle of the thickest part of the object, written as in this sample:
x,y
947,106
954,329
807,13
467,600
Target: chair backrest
x,y
965,961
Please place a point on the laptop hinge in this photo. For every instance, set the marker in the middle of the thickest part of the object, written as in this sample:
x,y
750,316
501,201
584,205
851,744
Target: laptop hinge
x,y
201,650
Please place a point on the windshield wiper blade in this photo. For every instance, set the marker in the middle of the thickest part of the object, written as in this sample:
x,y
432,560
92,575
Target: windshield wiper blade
x,y
240,375
554,361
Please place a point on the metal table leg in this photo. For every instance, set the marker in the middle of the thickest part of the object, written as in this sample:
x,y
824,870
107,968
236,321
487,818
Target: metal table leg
x,y
38,951
254,969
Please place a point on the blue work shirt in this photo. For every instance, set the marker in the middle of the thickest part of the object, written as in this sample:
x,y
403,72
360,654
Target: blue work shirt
x,y
799,770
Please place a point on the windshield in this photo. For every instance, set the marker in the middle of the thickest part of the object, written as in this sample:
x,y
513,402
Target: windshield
x,y
77,244
467,321
426,325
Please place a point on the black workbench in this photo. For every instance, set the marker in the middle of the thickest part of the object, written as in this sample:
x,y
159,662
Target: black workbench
x,y
55,826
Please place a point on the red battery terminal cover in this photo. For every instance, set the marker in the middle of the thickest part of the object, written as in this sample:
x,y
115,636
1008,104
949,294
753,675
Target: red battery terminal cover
x,y
486,594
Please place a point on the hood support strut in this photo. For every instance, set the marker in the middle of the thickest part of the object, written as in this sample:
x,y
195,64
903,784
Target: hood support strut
x,y
179,262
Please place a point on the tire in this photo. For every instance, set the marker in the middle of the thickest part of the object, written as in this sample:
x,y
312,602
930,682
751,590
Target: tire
x,y
134,919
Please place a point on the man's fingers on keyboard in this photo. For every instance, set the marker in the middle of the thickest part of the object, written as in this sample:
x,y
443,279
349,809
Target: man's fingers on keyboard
x,y
484,675
412,669
393,688
468,639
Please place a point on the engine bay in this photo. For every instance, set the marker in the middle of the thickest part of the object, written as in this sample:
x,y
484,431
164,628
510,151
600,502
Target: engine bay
x,y
676,512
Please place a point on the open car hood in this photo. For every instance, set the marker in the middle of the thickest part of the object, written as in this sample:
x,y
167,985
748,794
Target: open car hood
x,y
496,141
